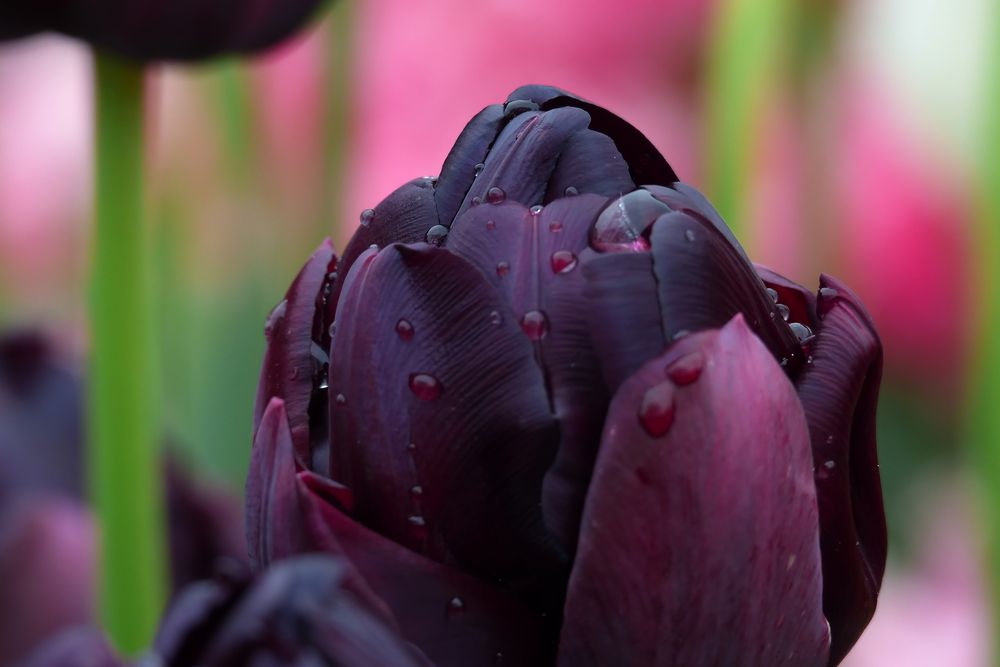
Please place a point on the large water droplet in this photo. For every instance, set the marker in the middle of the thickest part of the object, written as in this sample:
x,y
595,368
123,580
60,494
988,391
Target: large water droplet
x,y
571,191
622,224
800,330
517,107
783,309
436,234
367,216
495,195
656,412
424,386
274,318
503,268
563,261
418,527
687,369
773,294
535,324
404,329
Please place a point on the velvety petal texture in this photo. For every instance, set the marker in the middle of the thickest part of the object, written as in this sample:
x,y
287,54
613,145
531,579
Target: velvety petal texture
x,y
75,647
700,540
546,411
160,29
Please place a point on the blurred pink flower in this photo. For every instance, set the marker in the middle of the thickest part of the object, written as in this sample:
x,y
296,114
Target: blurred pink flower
x,y
425,68
936,612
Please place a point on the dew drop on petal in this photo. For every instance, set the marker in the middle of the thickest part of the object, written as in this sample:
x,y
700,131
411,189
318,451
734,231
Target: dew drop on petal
x,y
404,329
535,325
491,225
800,330
783,309
456,606
477,200
340,400
828,293
563,261
536,209
656,412
689,235
495,317
495,195
773,293
416,490
571,191
555,227
424,386
503,268
274,318
367,216
418,527
436,234
687,369
479,167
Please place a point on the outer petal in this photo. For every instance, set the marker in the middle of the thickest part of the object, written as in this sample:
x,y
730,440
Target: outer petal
x,y
839,391
459,170
75,647
699,543
459,621
426,353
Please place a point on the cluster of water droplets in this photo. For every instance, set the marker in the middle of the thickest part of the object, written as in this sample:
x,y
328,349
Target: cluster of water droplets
x,y
658,406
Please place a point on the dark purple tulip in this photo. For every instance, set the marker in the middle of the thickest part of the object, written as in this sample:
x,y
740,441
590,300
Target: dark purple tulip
x,y
550,413
161,29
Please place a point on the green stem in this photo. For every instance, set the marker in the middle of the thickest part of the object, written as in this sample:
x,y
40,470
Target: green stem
x,y
338,114
123,434
744,61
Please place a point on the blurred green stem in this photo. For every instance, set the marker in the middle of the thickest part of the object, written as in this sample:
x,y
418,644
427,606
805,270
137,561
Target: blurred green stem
x,y
123,437
745,57
339,82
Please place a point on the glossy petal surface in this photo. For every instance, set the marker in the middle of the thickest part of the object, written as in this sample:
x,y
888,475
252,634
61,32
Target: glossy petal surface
x,y
839,392
700,542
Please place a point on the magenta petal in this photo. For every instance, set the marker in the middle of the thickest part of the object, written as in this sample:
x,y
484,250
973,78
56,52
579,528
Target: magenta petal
x,y
441,425
700,543
294,360
839,391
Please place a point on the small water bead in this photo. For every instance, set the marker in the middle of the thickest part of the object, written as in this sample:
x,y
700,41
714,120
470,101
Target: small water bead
x,y
416,490
801,331
783,309
411,447
689,235
495,317
456,606
491,225
503,268
332,329
563,261
436,234
404,329
495,195
418,526
479,167
571,191
656,412
536,210
367,216
687,369
374,247
773,293
555,227
340,400
424,386
477,200
535,324
274,318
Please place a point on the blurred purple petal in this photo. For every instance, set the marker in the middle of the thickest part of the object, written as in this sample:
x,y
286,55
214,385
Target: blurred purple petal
x,y
74,647
700,542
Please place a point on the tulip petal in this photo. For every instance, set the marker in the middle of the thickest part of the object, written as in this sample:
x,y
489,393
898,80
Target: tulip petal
x,y
700,542
645,163
703,280
459,169
74,647
426,353
839,392
303,516
539,252
589,162
294,363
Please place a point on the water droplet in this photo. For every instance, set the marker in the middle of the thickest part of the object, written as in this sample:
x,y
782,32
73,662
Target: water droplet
x,y
689,235
571,191
495,195
418,527
491,225
536,209
773,293
555,227
416,490
791,562
801,331
828,293
563,261
456,606
687,369
656,412
495,317
436,234
829,465
404,329
516,107
535,325
367,216
829,439
411,447
333,329
479,168
680,334
622,224
294,374
274,318
424,386
477,200
374,247
324,380
783,309
503,268
340,400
